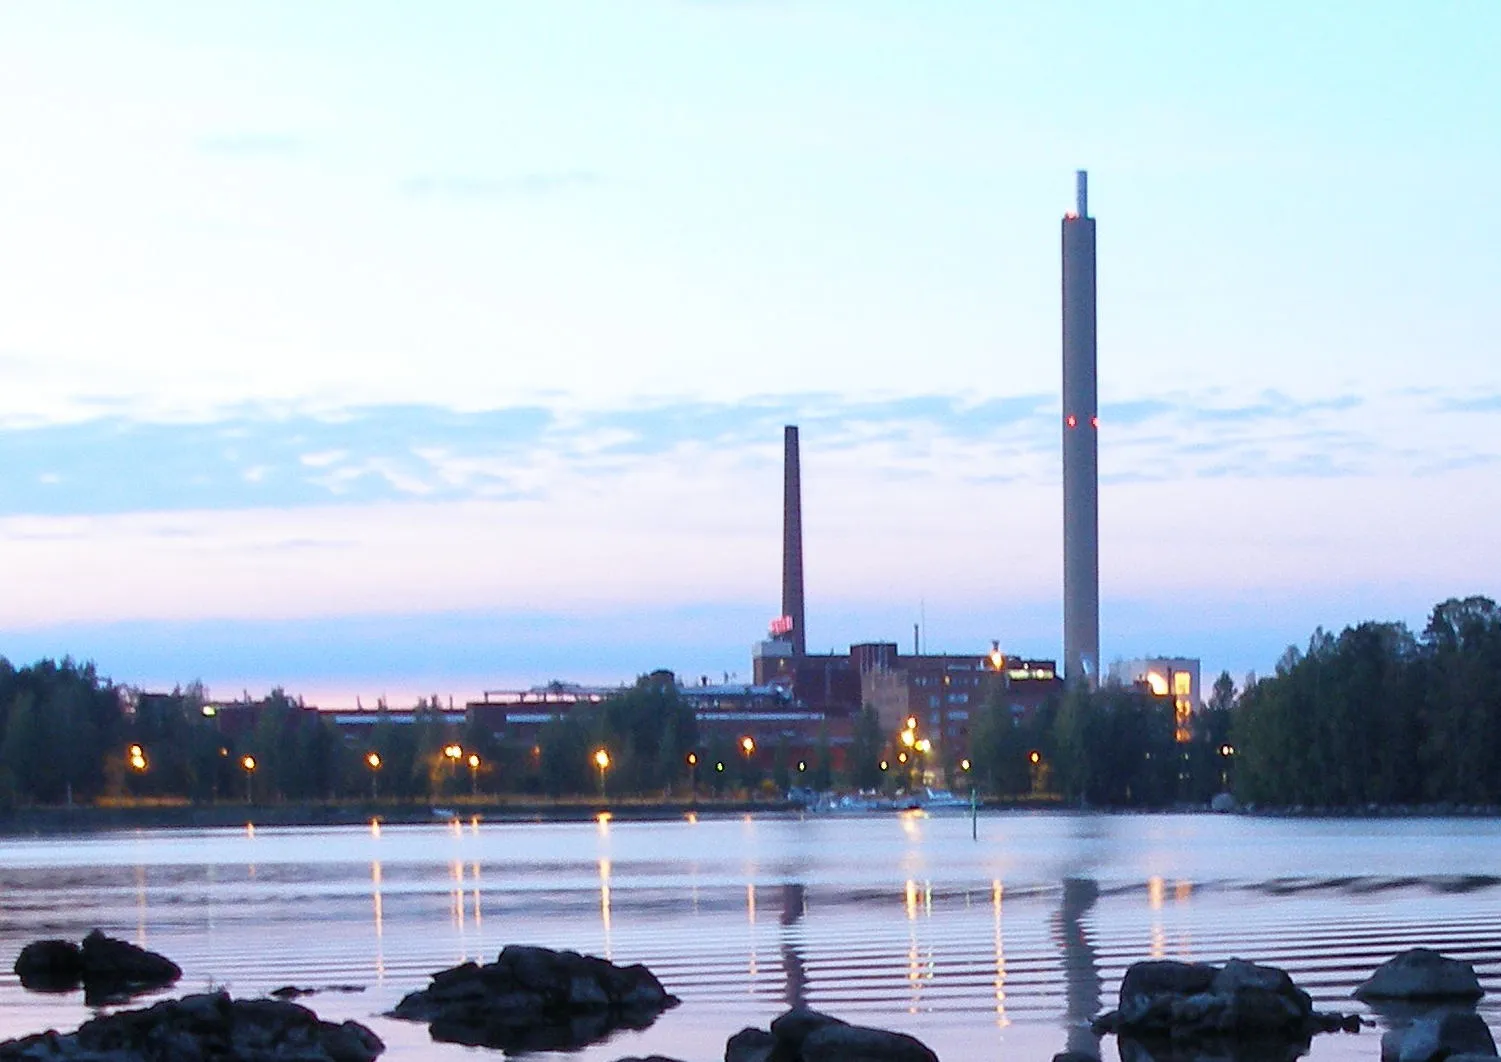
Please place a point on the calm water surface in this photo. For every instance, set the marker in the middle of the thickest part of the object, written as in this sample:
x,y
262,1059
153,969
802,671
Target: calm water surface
x,y
999,947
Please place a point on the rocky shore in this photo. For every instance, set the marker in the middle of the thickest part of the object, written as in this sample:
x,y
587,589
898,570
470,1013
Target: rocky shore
x,y
537,999
203,1028
1244,1012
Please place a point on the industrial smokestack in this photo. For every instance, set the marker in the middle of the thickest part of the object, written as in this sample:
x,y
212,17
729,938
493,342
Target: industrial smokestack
x,y
1081,479
792,542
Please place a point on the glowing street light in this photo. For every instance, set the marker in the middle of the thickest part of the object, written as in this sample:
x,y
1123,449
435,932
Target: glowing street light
x,y
748,745
602,761
247,763
473,762
137,758
373,761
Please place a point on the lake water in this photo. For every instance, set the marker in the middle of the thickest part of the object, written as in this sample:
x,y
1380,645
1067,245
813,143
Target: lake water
x,y
999,947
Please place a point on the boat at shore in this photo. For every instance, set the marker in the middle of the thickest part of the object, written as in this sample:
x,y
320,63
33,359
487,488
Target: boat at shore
x,y
925,799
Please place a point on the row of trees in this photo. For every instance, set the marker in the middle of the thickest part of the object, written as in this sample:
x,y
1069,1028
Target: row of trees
x,y
66,735
1112,747
1378,715
1372,715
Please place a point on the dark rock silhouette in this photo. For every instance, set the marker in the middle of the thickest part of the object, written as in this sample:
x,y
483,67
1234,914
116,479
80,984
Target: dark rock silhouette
x,y
50,966
1443,1034
536,999
1421,974
803,1035
109,970
210,1026
1242,1011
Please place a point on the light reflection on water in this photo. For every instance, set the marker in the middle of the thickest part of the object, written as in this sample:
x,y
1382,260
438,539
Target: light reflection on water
x,y
1005,944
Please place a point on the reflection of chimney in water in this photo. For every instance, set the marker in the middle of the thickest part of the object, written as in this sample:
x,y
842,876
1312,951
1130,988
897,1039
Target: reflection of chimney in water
x,y
794,903
1081,968
792,540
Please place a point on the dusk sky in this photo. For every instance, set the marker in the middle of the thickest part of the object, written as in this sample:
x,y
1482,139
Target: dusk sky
x,y
373,348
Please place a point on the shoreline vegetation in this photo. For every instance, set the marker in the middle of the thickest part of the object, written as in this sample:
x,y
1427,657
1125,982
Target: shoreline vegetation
x,y
1369,721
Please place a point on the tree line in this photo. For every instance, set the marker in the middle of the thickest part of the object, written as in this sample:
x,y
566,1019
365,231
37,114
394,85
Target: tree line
x,y
1378,715
1373,715
69,736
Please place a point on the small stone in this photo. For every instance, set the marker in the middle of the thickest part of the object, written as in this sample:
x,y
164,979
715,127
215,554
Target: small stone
x,y
749,1045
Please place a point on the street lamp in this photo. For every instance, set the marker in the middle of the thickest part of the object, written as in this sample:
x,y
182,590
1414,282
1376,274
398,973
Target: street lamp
x,y
602,761
248,763
473,774
137,758
453,754
693,776
373,759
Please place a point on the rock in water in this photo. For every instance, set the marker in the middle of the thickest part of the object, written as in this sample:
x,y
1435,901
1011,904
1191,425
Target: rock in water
x,y
50,966
536,999
1421,974
803,1035
208,1026
116,969
1443,1035
109,969
1240,1003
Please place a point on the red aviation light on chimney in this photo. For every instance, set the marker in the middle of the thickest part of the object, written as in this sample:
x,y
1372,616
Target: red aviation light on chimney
x,y
1072,421
1094,422
780,626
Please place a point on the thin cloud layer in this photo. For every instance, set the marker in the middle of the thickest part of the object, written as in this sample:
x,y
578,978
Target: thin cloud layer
x,y
361,456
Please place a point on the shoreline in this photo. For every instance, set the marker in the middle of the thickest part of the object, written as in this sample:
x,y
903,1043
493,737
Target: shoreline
x,y
58,820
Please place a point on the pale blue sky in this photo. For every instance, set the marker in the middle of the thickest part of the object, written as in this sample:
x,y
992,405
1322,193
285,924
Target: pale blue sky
x,y
374,347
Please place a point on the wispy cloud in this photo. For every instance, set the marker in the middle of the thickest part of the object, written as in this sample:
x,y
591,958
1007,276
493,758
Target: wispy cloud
x,y
254,458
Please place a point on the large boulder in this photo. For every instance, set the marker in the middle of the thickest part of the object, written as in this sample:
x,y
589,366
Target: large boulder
x,y
202,1027
838,1042
108,969
1421,974
1240,1003
804,1035
50,966
116,969
536,999
1441,1035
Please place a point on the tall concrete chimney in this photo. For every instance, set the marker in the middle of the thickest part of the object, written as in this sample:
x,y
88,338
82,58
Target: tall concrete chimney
x,y
1081,478
792,541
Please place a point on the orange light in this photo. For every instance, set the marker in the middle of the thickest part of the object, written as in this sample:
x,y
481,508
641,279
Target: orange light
x,y
1035,756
